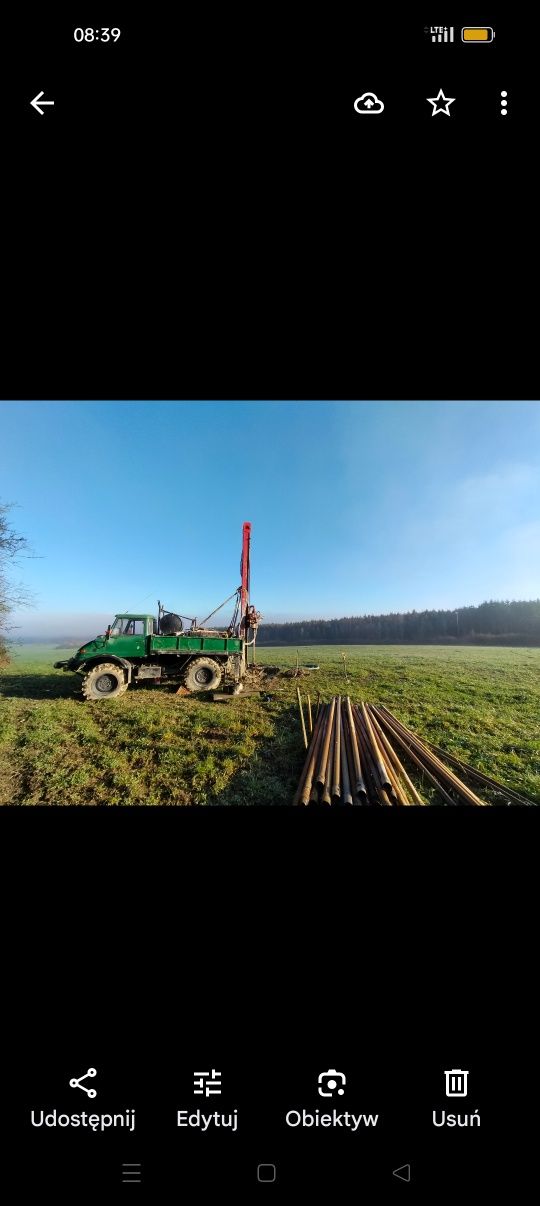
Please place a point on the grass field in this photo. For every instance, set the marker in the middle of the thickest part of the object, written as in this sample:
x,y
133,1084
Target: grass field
x,y
152,746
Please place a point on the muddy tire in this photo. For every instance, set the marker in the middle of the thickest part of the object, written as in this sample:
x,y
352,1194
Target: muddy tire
x,y
203,674
106,681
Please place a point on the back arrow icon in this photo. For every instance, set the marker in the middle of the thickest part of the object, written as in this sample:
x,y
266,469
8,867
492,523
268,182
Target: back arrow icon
x,y
37,107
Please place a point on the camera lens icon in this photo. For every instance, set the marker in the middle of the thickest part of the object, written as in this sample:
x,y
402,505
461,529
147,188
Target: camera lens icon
x,y
331,1082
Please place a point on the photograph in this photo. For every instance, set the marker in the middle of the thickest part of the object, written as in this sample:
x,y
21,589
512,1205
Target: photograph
x,y
263,603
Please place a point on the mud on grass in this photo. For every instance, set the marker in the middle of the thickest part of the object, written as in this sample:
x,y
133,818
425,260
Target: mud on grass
x,y
154,747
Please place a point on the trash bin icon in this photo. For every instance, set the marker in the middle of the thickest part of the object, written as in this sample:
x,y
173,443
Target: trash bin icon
x,y
456,1082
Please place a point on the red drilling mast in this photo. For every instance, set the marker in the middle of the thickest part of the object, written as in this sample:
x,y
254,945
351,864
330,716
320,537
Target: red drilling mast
x,y
249,617
244,570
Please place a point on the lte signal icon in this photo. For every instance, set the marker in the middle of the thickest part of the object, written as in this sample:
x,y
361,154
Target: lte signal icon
x,y
456,1083
440,33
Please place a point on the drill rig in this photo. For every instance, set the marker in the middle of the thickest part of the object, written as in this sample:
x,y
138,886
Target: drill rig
x,y
137,646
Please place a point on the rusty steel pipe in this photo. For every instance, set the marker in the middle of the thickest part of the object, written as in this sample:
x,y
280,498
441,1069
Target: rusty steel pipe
x,y
392,756
359,785
326,797
368,758
408,750
312,760
336,779
378,792
382,768
317,786
435,763
346,794
306,779
321,775
346,743
397,794
387,794
302,717
359,795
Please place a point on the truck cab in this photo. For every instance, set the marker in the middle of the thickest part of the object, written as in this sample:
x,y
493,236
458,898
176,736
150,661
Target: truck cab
x,y
128,633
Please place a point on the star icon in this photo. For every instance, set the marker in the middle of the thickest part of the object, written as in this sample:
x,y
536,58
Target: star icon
x,y
440,107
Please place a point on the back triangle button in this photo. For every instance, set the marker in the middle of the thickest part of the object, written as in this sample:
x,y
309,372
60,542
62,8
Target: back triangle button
x,y
403,1173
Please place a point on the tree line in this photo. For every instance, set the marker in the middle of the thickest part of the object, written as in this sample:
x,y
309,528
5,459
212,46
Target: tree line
x,y
512,622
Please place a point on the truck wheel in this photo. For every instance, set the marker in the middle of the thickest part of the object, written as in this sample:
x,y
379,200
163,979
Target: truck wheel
x,y
106,681
203,674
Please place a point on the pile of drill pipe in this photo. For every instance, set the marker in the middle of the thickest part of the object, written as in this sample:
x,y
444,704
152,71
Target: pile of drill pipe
x,y
350,761
355,757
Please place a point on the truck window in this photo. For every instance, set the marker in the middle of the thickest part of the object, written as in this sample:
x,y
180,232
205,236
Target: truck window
x,y
134,628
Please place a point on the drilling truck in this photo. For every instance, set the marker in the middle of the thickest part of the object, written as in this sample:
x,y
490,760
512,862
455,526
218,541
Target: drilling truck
x,y
137,646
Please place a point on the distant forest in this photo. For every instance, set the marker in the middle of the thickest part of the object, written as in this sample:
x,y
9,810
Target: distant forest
x,y
494,623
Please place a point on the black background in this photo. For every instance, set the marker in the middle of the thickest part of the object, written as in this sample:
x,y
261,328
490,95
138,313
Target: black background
x,y
200,216
203,214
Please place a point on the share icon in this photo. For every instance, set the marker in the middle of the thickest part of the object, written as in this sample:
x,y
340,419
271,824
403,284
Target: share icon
x,y
77,1084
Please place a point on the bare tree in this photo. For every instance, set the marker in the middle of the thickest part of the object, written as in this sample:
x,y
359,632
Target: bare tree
x,y
12,547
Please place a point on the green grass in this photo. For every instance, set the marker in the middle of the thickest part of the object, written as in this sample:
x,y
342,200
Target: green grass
x,y
152,746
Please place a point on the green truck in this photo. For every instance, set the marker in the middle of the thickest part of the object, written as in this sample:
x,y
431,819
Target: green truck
x,y
138,646
134,648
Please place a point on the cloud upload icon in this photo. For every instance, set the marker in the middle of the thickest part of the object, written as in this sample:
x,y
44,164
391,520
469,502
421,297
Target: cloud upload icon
x,y
368,102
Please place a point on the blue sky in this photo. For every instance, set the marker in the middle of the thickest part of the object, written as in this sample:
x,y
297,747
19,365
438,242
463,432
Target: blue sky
x,y
356,506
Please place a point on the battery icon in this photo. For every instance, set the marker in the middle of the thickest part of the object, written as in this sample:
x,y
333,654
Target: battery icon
x,y
477,33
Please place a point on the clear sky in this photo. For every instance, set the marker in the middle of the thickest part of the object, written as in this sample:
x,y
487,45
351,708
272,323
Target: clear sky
x,y
356,507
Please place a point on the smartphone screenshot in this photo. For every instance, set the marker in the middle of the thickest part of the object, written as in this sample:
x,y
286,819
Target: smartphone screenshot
x,y
269,604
